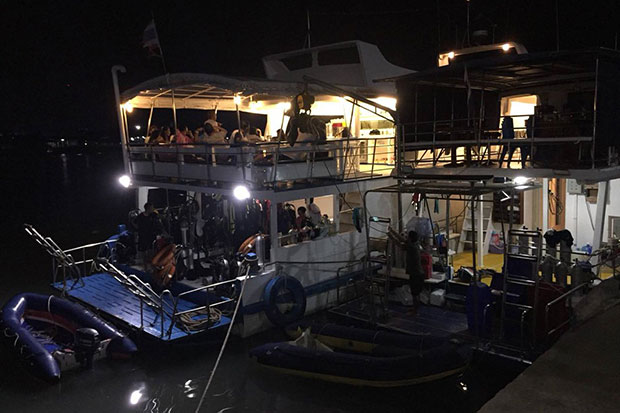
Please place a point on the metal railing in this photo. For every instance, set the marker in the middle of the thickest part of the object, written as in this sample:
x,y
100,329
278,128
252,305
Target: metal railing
x,y
266,163
445,141
63,261
561,299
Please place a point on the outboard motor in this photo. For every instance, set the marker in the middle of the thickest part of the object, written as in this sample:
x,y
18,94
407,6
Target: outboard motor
x,y
87,343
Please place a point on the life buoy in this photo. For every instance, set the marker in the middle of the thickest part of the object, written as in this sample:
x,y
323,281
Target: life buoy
x,y
164,265
275,293
248,244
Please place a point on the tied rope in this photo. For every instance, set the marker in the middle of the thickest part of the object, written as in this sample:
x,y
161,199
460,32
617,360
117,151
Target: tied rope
x,y
219,356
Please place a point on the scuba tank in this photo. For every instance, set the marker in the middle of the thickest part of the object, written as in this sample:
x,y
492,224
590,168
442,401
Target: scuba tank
x,y
561,272
546,268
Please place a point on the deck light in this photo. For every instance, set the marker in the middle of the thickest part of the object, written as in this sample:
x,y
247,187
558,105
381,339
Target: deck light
x,y
450,55
237,100
241,192
520,180
135,397
125,181
505,47
138,127
128,107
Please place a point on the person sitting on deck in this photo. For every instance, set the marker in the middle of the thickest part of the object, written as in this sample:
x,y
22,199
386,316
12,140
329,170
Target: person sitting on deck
x,y
212,120
152,135
185,137
304,224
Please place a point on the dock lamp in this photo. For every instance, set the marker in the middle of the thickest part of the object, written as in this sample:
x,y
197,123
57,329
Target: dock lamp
x,y
125,181
241,192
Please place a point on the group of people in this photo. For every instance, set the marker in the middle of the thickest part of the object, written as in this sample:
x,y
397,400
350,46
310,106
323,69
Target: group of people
x,y
211,132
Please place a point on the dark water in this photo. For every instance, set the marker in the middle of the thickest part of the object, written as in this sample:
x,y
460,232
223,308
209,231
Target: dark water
x,y
76,199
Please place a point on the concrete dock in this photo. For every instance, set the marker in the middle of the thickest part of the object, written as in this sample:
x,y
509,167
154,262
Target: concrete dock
x,y
580,373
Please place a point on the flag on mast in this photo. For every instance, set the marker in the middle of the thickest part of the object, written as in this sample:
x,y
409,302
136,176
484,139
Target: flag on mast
x,y
150,40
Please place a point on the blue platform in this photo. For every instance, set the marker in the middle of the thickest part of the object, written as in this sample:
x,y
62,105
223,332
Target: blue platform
x,y
102,292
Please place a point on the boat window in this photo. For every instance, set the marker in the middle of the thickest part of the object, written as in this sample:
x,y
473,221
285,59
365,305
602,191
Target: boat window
x,y
345,56
302,61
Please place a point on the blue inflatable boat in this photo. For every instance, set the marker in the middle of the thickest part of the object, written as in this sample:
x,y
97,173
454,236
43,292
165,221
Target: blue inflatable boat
x,y
364,357
50,334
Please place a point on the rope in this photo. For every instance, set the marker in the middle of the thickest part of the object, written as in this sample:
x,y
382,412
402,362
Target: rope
x,y
213,316
219,357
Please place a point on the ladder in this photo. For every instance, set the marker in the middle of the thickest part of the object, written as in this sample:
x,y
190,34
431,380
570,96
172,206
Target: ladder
x,y
521,275
483,211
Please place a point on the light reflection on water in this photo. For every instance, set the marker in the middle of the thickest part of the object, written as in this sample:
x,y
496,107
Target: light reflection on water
x,y
76,199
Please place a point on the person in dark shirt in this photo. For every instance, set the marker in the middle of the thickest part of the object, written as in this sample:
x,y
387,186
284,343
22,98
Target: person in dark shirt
x,y
414,266
149,226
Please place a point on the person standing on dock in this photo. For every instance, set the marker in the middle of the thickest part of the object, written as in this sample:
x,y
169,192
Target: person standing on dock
x,y
149,226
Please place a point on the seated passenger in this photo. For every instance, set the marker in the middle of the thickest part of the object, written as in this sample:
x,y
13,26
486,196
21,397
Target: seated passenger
x,y
183,138
212,135
212,120
152,136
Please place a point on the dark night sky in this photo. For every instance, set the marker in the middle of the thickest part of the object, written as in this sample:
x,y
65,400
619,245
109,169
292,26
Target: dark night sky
x,y
57,55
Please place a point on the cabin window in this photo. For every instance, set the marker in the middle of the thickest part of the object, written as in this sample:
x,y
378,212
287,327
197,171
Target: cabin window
x,y
322,224
345,56
302,61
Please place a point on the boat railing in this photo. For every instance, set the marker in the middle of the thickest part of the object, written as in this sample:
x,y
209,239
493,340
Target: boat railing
x,y
564,142
562,299
265,163
63,261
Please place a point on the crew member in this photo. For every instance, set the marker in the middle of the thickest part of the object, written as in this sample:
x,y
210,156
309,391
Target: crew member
x,y
149,226
414,267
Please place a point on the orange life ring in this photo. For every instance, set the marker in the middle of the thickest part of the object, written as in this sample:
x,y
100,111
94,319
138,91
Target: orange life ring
x,y
248,244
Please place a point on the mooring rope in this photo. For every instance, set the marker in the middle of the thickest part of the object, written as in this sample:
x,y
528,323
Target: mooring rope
x,y
230,326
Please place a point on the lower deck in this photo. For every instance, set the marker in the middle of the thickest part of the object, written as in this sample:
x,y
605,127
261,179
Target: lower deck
x,y
103,293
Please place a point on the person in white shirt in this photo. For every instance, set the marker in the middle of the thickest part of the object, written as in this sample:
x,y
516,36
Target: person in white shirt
x,y
212,120
314,212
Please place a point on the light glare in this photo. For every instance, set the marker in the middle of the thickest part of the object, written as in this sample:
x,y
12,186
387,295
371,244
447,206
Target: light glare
x,y
520,180
241,192
125,181
451,55
135,397
128,107
505,47
237,100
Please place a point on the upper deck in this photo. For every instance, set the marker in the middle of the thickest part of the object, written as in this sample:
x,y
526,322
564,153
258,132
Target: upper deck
x,y
535,115
352,134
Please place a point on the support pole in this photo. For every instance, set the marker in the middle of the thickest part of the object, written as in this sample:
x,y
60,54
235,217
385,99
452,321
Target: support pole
x,y
274,236
599,223
545,205
119,113
480,232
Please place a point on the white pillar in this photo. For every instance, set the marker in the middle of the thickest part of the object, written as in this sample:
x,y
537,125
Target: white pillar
x,y
545,205
273,230
599,222
480,234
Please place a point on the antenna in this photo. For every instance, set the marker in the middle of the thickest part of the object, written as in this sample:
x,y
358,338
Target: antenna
x,y
468,44
308,28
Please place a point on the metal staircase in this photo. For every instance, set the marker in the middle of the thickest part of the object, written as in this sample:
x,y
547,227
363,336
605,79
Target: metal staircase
x,y
483,211
521,286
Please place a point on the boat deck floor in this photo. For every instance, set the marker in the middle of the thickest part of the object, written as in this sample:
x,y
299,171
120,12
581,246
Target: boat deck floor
x,y
103,293
427,319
